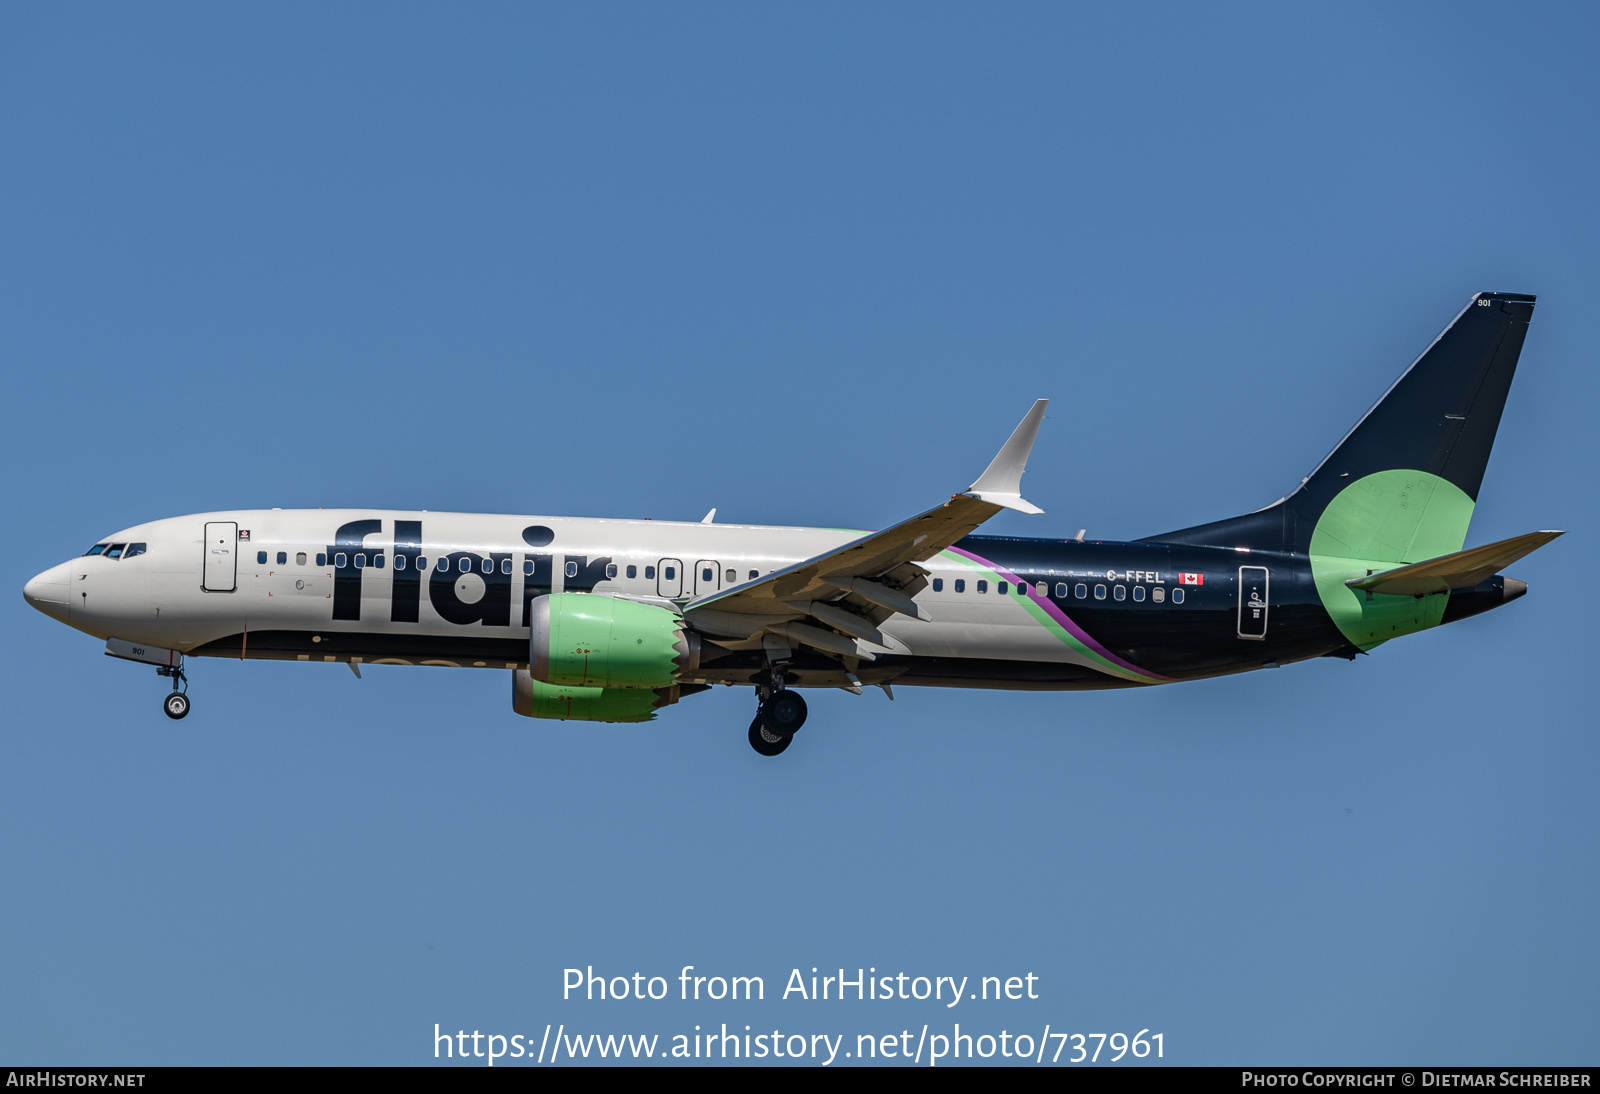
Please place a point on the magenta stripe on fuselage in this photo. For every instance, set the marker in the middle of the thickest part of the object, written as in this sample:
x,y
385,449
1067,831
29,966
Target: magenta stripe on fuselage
x,y
1055,612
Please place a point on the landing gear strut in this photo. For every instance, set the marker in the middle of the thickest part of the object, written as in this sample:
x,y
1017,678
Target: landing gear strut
x,y
176,704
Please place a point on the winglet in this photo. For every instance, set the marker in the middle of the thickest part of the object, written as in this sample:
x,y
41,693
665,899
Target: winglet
x,y
1001,484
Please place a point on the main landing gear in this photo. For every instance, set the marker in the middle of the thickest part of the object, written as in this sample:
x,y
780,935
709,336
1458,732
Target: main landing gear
x,y
779,717
176,704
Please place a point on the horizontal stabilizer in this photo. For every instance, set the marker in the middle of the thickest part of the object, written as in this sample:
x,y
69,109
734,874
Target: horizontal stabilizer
x,y
1457,571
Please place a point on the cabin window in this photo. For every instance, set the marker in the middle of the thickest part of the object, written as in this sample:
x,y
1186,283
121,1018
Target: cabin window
x,y
340,560
1158,594
754,574
1043,589
1061,590
611,570
1003,588
961,584
486,565
115,550
1120,593
422,562
572,569
300,558
1138,592
938,584
261,558
706,574
505,565
466,564
1177,596
633,571
444,563
322,559
133,549
527,567
97,549
361,559
377,560
283,557
1099,592
399,562
669,573
983,586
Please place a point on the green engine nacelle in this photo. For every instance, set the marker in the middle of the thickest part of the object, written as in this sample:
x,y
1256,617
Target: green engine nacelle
x,y
533,699
589,641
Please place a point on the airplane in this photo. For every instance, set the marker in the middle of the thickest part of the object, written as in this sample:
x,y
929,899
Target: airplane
x,y
612,620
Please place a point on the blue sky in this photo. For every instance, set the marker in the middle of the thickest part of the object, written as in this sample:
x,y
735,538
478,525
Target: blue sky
x,y
807,265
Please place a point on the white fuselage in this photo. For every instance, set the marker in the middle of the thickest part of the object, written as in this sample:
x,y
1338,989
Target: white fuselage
x,y
289,568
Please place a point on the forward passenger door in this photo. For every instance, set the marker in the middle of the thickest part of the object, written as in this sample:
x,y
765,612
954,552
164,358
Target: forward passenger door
x,y
220,574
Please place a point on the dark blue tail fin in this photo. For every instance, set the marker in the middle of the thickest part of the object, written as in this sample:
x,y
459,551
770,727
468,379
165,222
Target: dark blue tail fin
x,y
1439,418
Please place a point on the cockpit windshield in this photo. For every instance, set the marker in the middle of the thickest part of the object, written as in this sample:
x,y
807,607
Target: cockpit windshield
x,y
115,550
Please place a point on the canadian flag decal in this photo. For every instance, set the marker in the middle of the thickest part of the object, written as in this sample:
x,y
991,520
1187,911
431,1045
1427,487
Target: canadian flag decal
x,y
1191,579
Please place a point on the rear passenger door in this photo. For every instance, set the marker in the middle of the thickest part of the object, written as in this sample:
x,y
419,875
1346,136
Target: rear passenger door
x,y
1253,600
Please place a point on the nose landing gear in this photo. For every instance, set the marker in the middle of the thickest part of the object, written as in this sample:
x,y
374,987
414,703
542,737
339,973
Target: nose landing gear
x,y
176,704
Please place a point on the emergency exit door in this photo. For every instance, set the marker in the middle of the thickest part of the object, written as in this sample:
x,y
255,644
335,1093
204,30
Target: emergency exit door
x,y
669,578
707,576
220,574
1253,602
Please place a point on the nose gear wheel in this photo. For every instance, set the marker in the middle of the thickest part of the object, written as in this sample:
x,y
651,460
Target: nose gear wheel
x,y
176,704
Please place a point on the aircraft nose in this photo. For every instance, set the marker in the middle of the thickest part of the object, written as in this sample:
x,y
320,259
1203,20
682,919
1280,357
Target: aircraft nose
x,y
48,591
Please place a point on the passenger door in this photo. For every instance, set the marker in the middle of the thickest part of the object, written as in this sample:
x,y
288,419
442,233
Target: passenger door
x,y
1253,602
220,574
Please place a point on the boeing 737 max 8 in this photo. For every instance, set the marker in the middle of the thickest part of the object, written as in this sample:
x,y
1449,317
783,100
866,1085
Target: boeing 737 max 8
x,y
611,620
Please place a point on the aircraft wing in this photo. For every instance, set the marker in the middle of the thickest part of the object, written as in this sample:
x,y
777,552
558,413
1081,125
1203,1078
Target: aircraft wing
x,y
1457,571
853,588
